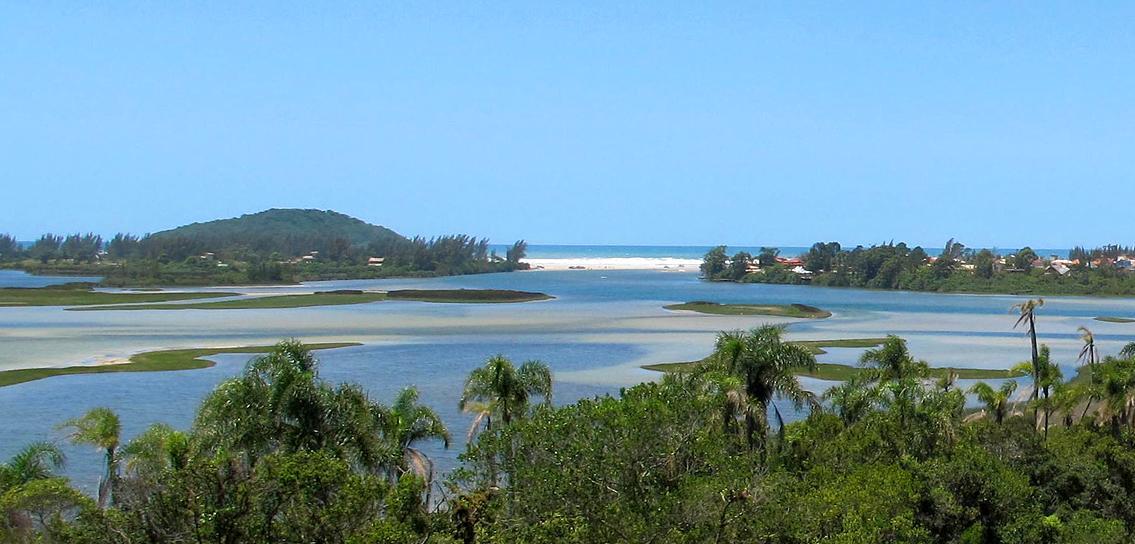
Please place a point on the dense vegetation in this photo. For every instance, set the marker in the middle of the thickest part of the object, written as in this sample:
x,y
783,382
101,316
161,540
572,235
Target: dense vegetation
x,y
956,269
890,455
273,246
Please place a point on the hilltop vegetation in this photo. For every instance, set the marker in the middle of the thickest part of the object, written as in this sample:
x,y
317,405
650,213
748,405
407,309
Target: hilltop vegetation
x,y
273,246
289,232
1102,271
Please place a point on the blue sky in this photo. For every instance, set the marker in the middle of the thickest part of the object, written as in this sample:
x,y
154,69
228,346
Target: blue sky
x,y
998,123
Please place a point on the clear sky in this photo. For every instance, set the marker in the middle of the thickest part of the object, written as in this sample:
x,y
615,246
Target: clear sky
x,y
998,123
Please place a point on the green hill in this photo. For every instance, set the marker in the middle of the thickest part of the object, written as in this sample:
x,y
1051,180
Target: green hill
x,y
288,222
286,231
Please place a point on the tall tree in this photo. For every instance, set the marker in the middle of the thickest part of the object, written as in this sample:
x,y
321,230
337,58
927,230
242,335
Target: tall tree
x,y
101,428
1048,384
996,401
1027,311
767,366
768,255
1024,259
739,265
37,461
500,389
279,403
9,248
158,448
405,425
714,262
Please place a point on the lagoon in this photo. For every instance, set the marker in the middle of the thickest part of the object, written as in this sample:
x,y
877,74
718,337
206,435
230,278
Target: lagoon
x,y
595,335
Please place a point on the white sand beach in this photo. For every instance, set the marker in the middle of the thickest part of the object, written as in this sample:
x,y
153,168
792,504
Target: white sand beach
x,y
616,263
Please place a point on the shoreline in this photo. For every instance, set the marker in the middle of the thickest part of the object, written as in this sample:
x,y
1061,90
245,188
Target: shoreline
x,y
673,264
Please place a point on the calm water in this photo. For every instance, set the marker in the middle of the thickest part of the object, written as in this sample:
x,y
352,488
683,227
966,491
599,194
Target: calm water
x,y
594,335
16,278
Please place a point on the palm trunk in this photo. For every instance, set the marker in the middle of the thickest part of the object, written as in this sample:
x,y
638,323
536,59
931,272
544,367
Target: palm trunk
x,y
106,485
1036,367
1047,411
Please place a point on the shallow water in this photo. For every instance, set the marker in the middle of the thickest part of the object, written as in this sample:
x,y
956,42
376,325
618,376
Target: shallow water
x,y
595,334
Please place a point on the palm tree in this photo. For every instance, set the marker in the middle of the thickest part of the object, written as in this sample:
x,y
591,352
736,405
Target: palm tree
x,y
893,362
1088,352
499,389
32,466
37,461
279,403
1049,382
767,366
1090,356
852,399
1027,311
996,400
1128,351
101,428
158,448
406,424
898,375
1117,380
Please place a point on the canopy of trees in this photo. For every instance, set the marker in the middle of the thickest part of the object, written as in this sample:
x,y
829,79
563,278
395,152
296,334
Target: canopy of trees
x,y
955,269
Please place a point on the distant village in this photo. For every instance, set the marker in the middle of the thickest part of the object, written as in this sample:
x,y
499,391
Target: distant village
x,y
1053,265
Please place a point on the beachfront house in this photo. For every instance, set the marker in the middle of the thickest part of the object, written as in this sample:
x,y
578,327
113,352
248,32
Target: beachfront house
x,y
376,261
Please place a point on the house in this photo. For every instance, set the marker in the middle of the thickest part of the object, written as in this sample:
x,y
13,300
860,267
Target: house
x,y
376,261
792,262
308,258
1059,269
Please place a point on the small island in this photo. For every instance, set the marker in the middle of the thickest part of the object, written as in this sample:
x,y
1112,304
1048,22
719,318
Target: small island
x,y
467,296
339,298
777,310
1114,319
150,361
83,294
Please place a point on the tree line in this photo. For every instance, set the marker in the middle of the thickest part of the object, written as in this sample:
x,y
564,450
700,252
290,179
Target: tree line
x,y
128,259
710,455
899,266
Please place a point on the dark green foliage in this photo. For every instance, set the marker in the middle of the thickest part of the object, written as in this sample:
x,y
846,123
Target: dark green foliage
x,y
956,269
822,256
10,249
278,455
289,232
714,263
46,248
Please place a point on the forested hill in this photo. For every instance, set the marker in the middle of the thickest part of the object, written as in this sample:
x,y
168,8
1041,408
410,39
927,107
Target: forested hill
x,y
285,231
273,246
